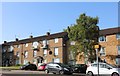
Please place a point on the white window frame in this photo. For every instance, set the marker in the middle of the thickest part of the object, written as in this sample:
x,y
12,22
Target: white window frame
x,y
35,44
57,60
25,54
26,45
11,48
35,53
118,36
102,51
118,61
56,40
118,48
102,38
18,46
25,62
45,52
56,51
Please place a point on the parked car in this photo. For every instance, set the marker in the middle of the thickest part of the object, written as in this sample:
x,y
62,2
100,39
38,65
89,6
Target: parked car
x,y
42,67
58,68
79,68
104,69
28,67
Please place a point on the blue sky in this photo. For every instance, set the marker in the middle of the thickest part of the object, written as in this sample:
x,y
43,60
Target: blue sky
x,y
20,19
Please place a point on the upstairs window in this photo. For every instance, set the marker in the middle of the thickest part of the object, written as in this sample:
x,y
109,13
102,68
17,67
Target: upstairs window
x,y
35,44
56,40
18,46
55,51
102,38
34,53
11,48
102,51
118,47
26,45
45,52
26,54
118,36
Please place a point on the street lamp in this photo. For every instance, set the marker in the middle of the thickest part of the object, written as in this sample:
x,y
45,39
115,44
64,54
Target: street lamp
x,y
96,48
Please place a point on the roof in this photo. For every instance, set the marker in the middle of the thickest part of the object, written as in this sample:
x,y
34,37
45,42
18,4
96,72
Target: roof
x,y
109,31
39,38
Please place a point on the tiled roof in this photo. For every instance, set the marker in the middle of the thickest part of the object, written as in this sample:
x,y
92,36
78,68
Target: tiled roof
x,y
109,31
39,38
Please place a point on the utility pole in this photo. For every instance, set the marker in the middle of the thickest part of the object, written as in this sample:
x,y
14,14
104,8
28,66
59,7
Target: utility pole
x,y
96,48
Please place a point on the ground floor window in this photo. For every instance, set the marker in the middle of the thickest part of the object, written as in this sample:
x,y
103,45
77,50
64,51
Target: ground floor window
x,y
17,62
56,60
118,61
25,62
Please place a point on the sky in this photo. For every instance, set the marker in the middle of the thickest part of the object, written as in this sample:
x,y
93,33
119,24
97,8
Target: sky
x,y
22,19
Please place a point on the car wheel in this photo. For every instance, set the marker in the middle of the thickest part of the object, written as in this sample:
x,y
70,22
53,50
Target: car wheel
x,y
46,71
61,72
90,74
115,74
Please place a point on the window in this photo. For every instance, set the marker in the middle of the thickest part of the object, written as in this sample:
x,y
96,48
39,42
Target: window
x,y
56,60
26,45
118,36
118,49
56,40
118,61
26,54
34,53
45,52
17,62
18,46
4,50
35,44
45,42
55,51
17,54
11,48
25,62
102,51
102,38
45,61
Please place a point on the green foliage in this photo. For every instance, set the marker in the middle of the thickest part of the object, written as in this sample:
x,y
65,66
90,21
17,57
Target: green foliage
x,y
85,33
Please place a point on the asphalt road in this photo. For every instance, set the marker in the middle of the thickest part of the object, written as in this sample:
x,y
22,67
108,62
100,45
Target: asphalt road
x,y
31,73
34,73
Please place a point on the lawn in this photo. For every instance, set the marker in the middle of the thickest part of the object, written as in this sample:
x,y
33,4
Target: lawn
x,y
11,67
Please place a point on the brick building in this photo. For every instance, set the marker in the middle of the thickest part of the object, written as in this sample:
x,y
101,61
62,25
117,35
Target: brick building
x,y
42,49
109,40
54,48
110,45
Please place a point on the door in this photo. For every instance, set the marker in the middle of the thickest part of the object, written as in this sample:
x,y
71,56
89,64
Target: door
x,y
105,69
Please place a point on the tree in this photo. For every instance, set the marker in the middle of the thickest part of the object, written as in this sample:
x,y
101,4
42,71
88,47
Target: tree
x,y
85,34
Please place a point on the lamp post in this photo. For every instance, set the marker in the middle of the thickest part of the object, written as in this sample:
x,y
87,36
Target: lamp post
x,y
96,48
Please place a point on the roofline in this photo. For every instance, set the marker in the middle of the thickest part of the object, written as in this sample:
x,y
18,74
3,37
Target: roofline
x,y
109,31
39,38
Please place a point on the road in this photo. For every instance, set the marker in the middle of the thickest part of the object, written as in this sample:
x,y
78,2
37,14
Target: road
x,y
31,73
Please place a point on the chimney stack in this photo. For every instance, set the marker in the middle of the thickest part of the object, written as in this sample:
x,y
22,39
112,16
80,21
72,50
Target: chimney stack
x,y
31,36
5,41
48,33
16,39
